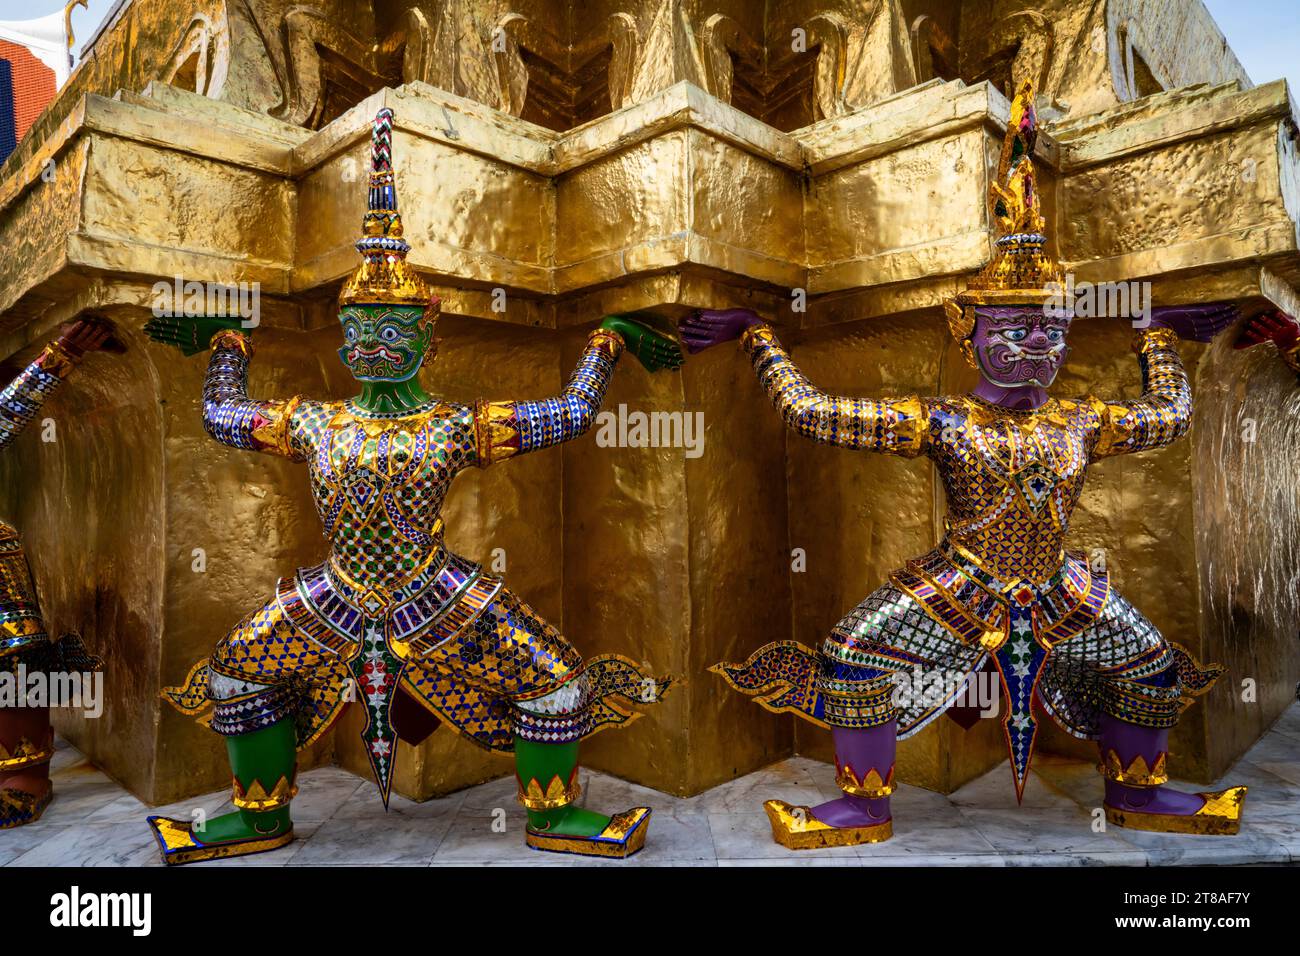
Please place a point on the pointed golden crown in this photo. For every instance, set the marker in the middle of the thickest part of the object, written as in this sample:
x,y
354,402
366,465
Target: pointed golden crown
x,y
1020,272
384,276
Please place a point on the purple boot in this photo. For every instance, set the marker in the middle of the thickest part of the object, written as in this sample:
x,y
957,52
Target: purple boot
x,y
1133,763
864,770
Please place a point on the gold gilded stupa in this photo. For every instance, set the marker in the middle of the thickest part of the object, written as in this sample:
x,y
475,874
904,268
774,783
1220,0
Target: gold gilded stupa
x,y
825,162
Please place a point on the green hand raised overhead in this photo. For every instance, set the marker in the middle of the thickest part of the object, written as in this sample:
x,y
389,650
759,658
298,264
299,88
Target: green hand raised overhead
x,y
190,333
652,348
193,334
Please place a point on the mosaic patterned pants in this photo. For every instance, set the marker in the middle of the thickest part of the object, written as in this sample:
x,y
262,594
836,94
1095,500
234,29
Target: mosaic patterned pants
x,y
507,673
1120,665
26,737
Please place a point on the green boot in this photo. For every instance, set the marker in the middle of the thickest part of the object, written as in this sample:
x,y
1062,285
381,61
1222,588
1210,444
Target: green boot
x,y
548,787
264,764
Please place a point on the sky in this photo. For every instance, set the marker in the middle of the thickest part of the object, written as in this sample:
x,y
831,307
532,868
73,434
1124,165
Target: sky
x,y
1265,34
84,21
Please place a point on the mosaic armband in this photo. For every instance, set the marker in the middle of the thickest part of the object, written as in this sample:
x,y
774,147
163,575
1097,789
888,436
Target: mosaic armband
x,y
894,426
25,395
1164,412
505,429
230,416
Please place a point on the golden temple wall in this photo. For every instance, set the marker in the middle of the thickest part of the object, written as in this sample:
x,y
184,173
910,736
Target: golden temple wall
x,y
1247,517
672,154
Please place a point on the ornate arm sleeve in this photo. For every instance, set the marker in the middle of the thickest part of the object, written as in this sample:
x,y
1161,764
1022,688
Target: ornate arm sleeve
x,y
897,426
234,419
25,394
505,429
1164,412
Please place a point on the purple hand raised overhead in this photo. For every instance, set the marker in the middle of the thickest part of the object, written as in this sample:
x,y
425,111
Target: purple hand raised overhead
x,y
1195,323
705,328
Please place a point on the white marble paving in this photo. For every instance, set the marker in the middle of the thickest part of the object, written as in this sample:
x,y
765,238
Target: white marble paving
x,y
339,820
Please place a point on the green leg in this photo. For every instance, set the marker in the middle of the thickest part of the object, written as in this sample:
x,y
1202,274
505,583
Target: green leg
x,y
263,765
262,759
544,764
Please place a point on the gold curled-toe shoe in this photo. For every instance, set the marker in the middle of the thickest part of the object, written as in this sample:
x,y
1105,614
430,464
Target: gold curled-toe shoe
x,y
18,807
1220,816
797,829
622,836
178,844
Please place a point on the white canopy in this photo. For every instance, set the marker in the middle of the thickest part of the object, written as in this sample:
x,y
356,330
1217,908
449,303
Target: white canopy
x,y
47,40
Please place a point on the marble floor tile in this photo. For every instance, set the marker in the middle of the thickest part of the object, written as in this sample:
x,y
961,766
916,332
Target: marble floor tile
x,y
797,780
1288,723
1075,779
794,858
912,806
936,859
365,803
325,791
1278,754
483,835
340,820
65,756
1285,833
79,791
1111,858
98,844
678,836
921,839
748,836
17,841
374,841
996,790
124,809
502,793
605,794
1252,845
1052,837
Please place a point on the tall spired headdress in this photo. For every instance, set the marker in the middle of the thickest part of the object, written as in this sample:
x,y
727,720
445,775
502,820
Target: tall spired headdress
x,y
1020,272
384,276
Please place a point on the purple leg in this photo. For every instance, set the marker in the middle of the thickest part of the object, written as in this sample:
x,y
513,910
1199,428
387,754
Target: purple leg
x,y
857,754
1128,742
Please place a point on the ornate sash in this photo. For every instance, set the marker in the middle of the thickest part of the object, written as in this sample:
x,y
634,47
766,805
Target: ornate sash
x,y
377,632
1017,621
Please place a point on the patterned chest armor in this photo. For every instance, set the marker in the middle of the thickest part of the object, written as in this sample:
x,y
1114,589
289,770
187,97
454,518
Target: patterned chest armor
x,y
1012,481
379,487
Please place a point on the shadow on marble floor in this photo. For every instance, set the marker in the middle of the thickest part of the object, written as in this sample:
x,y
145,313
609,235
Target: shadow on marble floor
x,y
340,821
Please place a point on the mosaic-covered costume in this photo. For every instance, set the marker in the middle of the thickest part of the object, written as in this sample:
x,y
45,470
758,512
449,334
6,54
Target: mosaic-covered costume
x,y
391,592
1001,588
392,611
1001,584
26,737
